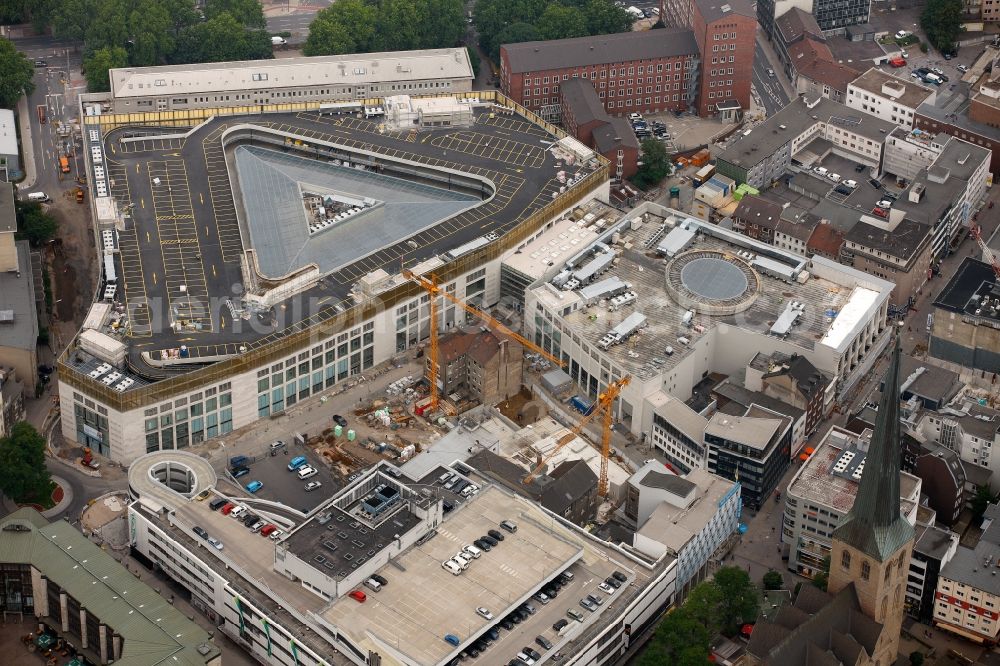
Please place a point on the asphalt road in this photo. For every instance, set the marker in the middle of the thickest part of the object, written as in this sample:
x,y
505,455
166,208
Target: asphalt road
x,y
52,92
772,96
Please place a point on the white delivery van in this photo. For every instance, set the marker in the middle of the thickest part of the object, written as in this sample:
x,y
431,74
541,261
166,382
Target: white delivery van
x,y
38,196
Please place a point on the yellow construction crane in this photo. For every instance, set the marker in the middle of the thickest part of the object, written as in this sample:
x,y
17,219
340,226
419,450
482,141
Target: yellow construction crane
x,y
604,404
434,290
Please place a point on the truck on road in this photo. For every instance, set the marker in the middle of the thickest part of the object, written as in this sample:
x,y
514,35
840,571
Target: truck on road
x,y
64,163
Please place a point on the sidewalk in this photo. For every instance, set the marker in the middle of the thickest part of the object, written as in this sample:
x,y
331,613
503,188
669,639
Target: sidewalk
x,y
27,145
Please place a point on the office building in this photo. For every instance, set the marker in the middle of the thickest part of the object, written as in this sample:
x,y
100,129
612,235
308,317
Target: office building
x,y
888,97
10,161
726,32
968,592
822,492
754,449
694,517
964,329
632,72
18,313
584,117
283,81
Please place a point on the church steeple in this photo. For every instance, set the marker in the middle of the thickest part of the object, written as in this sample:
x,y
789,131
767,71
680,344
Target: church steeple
x,y
874,525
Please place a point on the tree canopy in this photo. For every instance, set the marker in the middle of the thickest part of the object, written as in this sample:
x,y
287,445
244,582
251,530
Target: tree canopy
x,y
496,19
34,224
356,26
684,635
156,32
16,74
941,21
22,457
655,164
773,580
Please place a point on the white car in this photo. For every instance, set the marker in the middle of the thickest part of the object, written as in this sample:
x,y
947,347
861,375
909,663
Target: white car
x,y
215,542
306,472
902,34
276,534
884,203
452,567
822,171
462,560
313,485
962,68
835,177
937,70
607,589
485,613
850,183
634,117
473,551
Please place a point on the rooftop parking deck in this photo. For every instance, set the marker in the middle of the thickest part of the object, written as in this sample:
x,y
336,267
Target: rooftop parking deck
x,y
179,255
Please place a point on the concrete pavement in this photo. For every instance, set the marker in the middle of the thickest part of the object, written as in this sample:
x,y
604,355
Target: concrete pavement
x,y
27,145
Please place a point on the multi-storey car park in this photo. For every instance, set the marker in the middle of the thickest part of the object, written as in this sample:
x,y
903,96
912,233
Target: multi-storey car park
x,y
251,254
289,600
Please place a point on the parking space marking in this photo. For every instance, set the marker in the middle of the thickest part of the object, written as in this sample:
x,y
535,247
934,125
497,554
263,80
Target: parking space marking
x,y
184,272
221,194
133,281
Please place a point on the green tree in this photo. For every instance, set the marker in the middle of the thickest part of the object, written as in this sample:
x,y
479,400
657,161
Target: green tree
x,y
702,606
740,598
222,38
34,224
559,22
183,14
346,26
16,74
445,24
400,25
71,19
655,164
941,21
603,17
494,17
22,458
682,636
982,499
99,62
246,12
473,59
515,34
773,580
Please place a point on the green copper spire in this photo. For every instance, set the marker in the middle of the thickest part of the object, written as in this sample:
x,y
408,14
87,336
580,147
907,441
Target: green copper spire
x,y
874,524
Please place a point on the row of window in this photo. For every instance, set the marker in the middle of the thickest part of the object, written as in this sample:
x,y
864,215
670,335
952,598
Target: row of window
x,y
603,72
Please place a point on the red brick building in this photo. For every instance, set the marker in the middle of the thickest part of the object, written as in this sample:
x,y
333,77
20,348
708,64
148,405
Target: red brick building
x,y
632,72
725,31
584,117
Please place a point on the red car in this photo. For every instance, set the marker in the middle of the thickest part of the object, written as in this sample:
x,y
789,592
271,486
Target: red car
x,y
358,595
226,509
881,212
897,62
267,529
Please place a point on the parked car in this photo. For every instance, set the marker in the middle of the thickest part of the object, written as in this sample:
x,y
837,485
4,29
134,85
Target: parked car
x,y
267,530
575,614
490,540
381,580
842,189
620,577
200,531
275,535
525,658
532,653
452,639
613,582
215,543
217,504
307,472
340,420
277,444
596,598
541,597
482,545
962,68
296,462
254,486
496,535
507,624
485,613
849,183
509,525
880,212
588,604
227,508
237,512
543,642
240,471
358,596
606,588
558,625
312,485
885,203
874,183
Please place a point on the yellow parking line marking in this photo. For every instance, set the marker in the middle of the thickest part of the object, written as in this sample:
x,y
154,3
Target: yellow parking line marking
x,y
213,271
143,202
201,197
155,281
137,168
148,238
